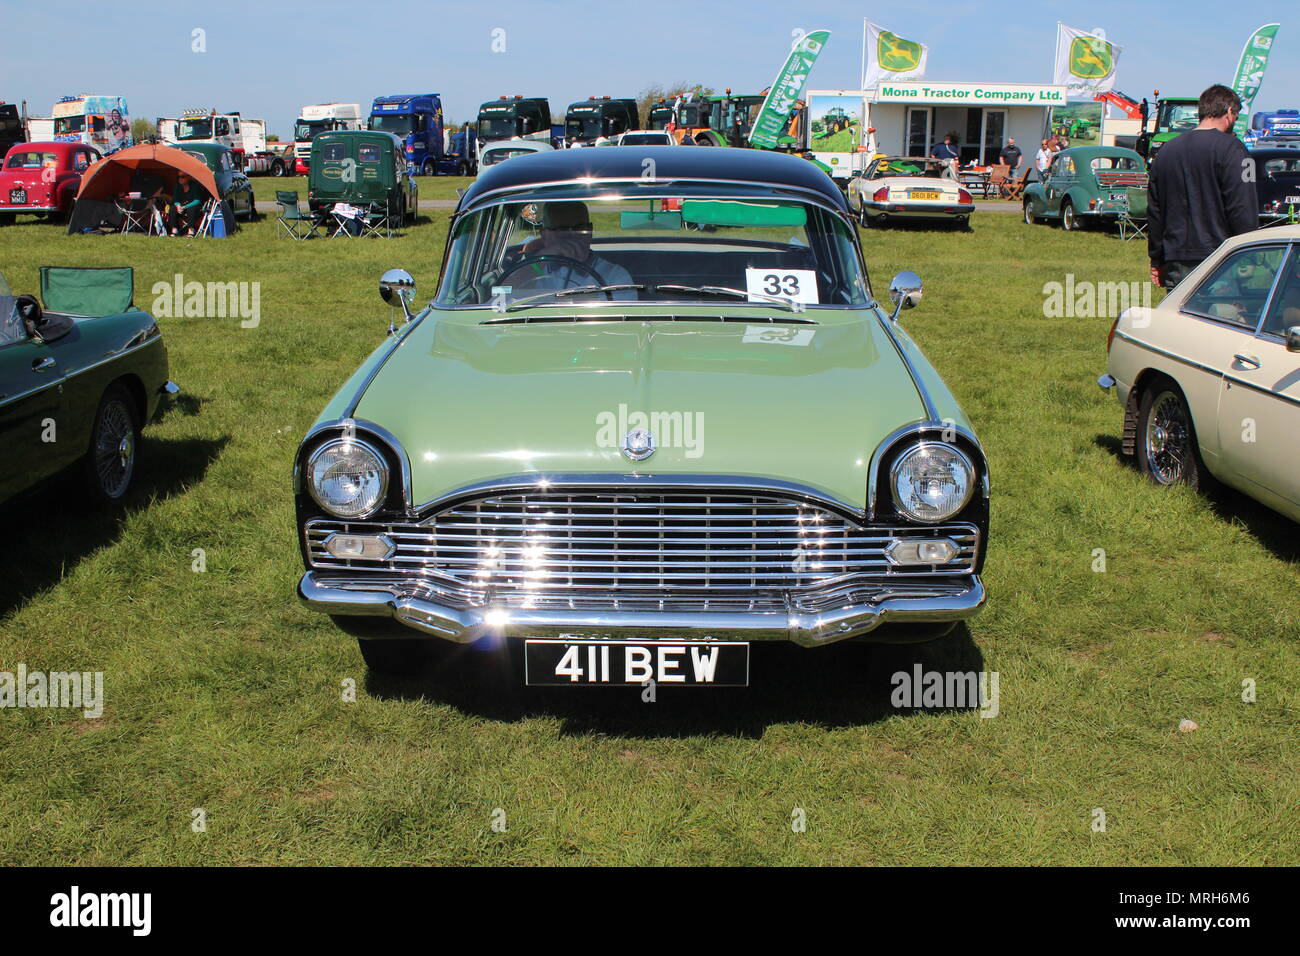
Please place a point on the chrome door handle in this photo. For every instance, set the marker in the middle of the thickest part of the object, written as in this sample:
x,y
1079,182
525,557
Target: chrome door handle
x,y
41,364
1250,361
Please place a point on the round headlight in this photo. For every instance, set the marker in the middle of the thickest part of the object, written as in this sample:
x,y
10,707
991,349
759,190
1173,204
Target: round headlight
x,y
932,481
348,478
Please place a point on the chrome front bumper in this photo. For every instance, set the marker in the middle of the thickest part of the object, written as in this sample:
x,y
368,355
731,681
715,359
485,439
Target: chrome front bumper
x,y
421,605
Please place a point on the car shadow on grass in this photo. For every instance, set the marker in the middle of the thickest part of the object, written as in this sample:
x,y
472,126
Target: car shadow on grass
x,y
842,685
57,527
1275,532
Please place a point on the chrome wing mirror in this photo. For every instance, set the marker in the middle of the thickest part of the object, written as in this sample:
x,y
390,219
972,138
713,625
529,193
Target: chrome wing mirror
x,y
1292,336
397,288
904,292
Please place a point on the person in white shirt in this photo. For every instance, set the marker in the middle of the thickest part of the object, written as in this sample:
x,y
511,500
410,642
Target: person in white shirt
x,y
1043,160
566,232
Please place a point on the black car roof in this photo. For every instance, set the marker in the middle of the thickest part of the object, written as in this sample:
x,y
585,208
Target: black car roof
x,y
718,163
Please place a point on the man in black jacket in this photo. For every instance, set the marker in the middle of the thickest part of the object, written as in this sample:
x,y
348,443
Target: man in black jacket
x,y
1201,191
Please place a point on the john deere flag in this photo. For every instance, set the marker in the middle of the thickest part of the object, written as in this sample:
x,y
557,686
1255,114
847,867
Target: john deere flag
x,y
774,116
1250,72
890,57
1085,62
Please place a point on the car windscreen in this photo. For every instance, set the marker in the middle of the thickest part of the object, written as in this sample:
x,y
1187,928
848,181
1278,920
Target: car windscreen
x,y
1288,166
30,160
1179,116
643,139
201,157
304,130
666,249
1123,163
905,166
69,124
493,156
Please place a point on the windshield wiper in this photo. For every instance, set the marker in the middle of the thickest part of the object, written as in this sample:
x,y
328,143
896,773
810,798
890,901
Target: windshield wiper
x,y
580,290
791,304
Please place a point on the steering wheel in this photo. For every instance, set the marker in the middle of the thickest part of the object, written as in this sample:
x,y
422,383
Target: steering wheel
x,y
566,260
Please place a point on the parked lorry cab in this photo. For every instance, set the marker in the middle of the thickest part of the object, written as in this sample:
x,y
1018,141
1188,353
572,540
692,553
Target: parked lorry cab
x,y
245,138
416,120
320,118
11,127
1276,126
103,122
515,117
597,118
659,115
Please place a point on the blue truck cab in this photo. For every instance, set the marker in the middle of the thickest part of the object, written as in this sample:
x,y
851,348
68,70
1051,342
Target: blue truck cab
x,y
416,119
1275,126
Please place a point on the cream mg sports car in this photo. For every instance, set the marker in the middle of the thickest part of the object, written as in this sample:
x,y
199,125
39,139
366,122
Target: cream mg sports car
x,y
654,412
908,187
1210,378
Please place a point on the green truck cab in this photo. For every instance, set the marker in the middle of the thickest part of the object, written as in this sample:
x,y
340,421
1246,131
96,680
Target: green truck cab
x,y
1174,116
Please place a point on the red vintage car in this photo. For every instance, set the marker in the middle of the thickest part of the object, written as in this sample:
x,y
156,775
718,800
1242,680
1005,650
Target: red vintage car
x,y
42,178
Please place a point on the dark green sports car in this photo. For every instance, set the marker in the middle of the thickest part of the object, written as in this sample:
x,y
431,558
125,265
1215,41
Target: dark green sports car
x,y
79,379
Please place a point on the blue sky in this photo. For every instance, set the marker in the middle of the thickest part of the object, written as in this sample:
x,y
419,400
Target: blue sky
x,y
268,58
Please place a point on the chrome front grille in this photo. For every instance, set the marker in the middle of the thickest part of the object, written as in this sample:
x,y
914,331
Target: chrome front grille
x,y
594,547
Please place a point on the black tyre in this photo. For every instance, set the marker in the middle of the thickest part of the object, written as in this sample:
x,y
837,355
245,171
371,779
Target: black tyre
x,y
427,168
277,168
114,447
1030,218
1069,221
6,219
1167,450
397,656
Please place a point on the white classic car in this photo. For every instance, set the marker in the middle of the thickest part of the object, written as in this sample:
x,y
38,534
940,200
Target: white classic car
x,y
908,187
1210,378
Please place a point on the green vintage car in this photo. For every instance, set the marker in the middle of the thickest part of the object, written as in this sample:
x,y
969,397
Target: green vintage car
x,y
653,413
360,167
79,379
1088,184
235,187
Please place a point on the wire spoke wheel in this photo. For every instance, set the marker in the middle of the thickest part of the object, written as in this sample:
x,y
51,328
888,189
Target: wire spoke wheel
x,y
1167,439
114,448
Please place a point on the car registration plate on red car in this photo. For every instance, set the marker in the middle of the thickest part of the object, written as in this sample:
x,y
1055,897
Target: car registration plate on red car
x,y
18,197
562,662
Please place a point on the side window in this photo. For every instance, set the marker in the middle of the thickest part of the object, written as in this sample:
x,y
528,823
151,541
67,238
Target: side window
x,y
12,328
1285,310
1237,290
223,127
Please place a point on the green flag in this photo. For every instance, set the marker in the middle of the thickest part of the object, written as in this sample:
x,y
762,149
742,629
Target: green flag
x,y
1250,72
774,117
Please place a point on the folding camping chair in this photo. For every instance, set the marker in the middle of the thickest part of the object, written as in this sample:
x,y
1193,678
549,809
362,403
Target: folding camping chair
x,y
134,209
377,221
292,219
345,214
1016,187
1133,222
205,220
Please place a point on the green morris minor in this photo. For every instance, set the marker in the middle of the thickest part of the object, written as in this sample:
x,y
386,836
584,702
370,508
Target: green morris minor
x,y
654,413
1089,184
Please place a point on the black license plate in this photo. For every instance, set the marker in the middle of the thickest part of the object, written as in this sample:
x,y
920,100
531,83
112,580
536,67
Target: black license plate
x,y
18,197
632,663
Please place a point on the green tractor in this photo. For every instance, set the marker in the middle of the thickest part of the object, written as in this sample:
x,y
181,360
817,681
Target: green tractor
x,y
1173,116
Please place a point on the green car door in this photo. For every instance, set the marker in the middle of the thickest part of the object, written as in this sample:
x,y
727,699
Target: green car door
x,y
30,401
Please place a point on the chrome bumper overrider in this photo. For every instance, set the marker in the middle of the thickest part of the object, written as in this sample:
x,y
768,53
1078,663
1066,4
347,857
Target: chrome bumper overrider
x,y
813,619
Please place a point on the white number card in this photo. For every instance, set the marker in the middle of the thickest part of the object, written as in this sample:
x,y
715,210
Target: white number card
x,y
799,285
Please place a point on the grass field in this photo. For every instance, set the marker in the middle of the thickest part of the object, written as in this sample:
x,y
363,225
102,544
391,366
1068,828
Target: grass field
x,y
224,695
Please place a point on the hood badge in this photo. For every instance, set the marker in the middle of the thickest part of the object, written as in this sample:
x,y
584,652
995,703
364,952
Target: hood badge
x,y
638,444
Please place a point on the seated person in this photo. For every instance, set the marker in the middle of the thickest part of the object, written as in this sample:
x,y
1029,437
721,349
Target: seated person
x,y
186,205
566,232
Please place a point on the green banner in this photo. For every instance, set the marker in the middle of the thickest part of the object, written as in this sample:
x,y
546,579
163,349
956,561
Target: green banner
x,y
1250,72
774,117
